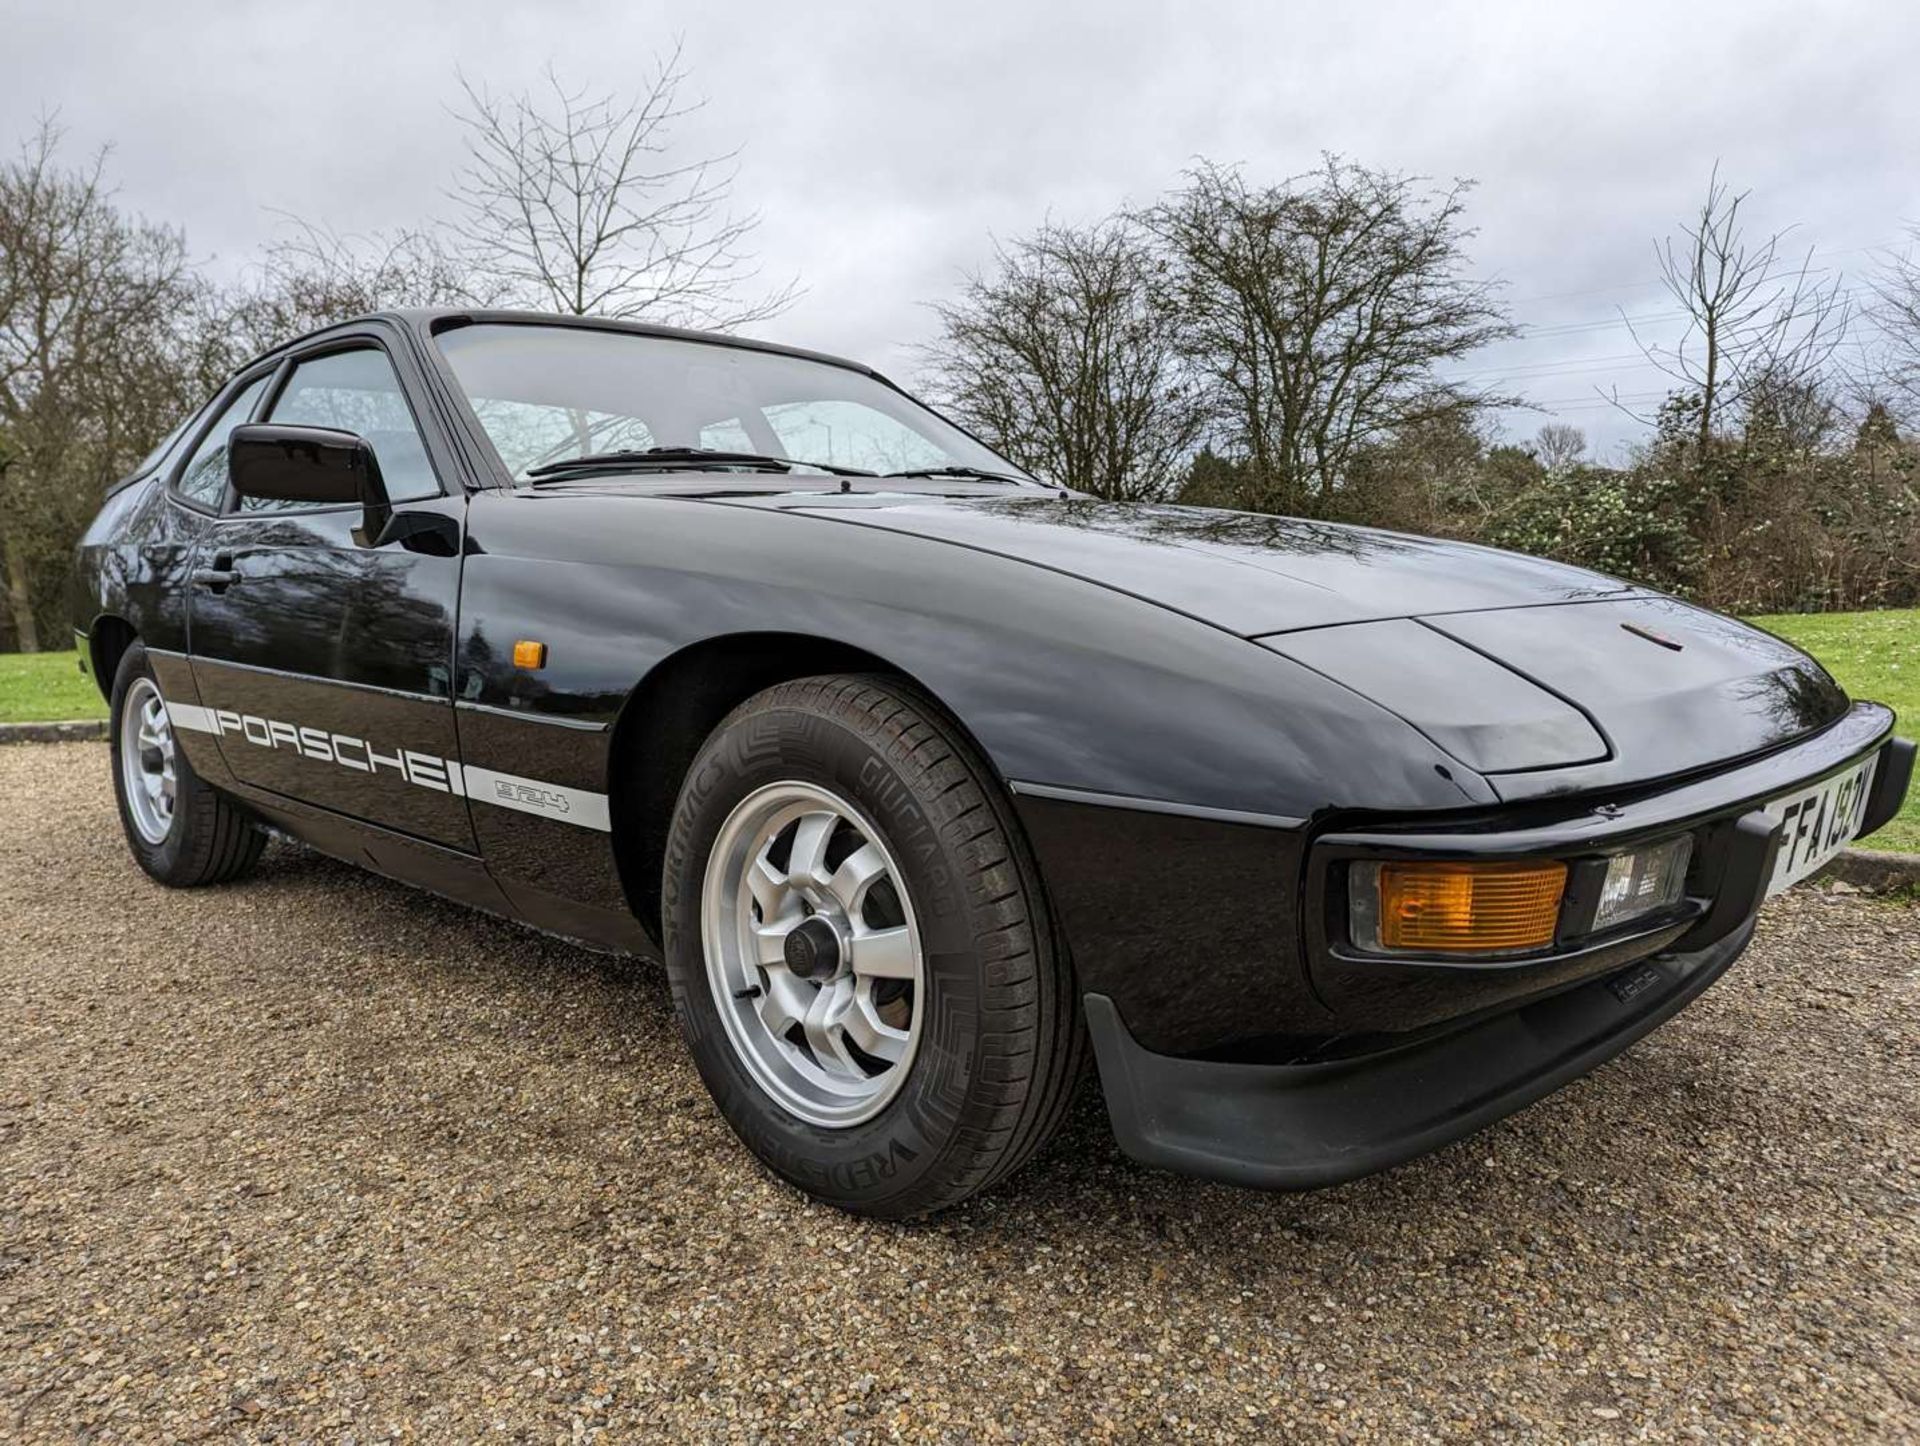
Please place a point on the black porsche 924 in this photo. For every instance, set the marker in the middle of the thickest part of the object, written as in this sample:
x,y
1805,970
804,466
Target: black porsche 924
x,y
1331,845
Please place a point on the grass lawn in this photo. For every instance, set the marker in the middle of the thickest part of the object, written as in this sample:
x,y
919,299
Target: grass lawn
x,y
1874,655
46,688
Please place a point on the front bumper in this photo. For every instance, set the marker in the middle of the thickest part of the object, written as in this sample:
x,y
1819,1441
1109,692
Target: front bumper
x,y
1428,1050
1734,843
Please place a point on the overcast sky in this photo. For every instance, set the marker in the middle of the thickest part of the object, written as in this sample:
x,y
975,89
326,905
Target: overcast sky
x,y
886,144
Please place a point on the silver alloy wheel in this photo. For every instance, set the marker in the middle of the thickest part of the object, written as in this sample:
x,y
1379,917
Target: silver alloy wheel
x,y
812,953
148,766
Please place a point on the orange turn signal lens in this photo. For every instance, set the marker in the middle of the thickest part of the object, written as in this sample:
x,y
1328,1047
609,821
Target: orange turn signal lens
x,y
1469,908
528,654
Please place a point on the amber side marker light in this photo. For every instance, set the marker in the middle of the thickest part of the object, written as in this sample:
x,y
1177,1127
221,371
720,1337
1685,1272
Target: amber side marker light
x,y
1461,907
528,654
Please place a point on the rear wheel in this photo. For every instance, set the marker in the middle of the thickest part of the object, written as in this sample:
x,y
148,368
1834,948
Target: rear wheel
x,y
861,959
180,831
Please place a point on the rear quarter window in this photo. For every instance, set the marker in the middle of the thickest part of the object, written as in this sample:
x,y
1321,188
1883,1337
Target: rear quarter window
x,y
204,479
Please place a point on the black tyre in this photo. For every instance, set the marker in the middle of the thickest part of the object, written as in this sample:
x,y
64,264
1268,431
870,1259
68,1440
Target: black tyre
x,y
860,954
181,831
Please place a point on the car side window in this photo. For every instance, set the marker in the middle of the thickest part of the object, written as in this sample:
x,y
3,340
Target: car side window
x,y
204,479
357,391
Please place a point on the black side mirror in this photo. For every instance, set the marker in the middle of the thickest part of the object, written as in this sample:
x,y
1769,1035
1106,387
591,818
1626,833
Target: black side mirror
x,y
315,465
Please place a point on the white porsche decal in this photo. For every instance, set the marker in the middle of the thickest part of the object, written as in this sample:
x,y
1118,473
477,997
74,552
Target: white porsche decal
x,y
425,770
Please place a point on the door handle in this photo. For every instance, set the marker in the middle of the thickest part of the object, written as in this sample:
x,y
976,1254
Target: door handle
x,y
219,577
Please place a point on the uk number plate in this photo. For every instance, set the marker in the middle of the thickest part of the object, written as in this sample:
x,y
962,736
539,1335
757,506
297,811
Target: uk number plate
x,y
1816,823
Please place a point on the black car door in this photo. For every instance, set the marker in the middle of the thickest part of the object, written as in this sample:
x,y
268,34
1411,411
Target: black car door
x,y
324,657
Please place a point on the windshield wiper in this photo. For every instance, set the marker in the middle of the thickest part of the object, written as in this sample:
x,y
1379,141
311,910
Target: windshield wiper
x,y
980,474
686,457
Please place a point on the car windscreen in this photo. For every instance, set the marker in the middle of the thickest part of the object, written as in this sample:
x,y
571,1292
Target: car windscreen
x,y
546,393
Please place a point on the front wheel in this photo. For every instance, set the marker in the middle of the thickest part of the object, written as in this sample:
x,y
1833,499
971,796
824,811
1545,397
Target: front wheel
x,y
181,831
861,960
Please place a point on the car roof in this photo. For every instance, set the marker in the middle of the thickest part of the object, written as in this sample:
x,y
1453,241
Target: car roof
x,y
429,321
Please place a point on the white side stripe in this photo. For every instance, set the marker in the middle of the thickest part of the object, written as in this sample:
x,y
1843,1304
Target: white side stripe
x,y
192,717
530,795
576,806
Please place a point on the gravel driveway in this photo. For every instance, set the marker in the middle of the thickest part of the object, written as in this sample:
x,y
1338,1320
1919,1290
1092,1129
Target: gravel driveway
x,y
318,1157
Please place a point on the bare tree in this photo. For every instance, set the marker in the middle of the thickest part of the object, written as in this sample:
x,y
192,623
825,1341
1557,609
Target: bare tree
x,y
310,277
574,202
1559,446
1319,312
95,360
1895,312
1756,321
1060,356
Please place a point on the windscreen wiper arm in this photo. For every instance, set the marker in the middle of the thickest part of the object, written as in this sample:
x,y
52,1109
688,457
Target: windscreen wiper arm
x,y
686,457
978,473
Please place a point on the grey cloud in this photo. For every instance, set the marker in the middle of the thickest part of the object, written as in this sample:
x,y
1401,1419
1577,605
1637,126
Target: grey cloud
x,y
886,143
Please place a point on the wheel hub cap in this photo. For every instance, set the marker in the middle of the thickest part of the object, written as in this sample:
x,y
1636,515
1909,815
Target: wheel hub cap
x,y
812,949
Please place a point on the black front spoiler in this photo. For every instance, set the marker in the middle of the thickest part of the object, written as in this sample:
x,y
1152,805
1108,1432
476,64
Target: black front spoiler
x,y
1302,1127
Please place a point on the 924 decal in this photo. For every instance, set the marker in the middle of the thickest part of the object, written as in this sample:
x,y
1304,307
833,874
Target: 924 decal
x,y
423,770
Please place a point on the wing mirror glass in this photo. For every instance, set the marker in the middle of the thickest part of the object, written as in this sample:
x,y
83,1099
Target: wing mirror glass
x,y
317,466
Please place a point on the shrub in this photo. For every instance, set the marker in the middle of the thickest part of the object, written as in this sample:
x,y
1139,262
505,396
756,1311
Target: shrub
x,y
1630,524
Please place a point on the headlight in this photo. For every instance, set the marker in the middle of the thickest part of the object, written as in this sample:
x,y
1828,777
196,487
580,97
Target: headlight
x,y
1643,882
1456,907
